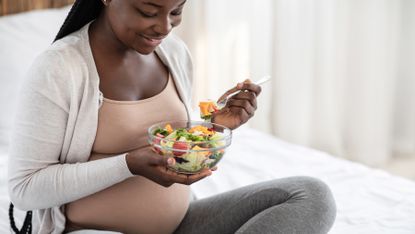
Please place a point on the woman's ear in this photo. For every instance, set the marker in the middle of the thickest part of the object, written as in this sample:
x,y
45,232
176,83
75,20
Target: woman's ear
x,y
106,2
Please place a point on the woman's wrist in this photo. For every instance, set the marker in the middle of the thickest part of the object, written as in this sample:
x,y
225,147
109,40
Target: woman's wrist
x,y
131,164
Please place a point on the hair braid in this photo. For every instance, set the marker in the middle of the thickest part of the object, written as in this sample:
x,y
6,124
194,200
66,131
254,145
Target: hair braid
x,y
82,12
11,218
27,223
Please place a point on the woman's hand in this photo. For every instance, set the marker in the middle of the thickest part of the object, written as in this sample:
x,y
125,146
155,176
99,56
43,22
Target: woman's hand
x,y
145,162
240,107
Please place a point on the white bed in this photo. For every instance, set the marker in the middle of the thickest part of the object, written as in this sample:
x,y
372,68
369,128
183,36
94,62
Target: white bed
x,y
368,200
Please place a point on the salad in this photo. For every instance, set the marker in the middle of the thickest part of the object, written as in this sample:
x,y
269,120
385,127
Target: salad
x,y
193,148
207,108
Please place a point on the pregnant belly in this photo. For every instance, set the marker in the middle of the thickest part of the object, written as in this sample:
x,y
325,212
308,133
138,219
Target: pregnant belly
x,y
136,205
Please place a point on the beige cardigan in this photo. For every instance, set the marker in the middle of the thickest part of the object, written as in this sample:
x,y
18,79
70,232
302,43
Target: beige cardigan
x,y
56,124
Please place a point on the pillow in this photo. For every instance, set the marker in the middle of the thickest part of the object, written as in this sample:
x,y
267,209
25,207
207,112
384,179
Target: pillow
x,y
23,37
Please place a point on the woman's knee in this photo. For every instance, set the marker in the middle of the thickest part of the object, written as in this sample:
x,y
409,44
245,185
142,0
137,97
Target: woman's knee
x,y
319,198
308,191
307,200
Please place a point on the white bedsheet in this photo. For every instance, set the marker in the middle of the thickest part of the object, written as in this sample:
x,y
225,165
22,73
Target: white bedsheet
x,y
368,201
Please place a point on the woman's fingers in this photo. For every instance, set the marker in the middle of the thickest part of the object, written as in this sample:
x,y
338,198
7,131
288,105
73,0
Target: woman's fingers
x,y
241,106
248,96
246,86
196,177
166,177
251,87
158,160
176,177
156,168
187,179
230,91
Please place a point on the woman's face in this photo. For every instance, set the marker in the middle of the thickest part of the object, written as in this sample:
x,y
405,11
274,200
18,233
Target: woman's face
x,y
142,24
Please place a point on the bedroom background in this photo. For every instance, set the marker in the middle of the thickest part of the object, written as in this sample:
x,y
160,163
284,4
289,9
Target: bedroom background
x,y
343,82
343,71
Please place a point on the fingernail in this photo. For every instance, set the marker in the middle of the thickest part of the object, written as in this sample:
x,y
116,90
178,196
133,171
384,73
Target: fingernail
x,y
170,161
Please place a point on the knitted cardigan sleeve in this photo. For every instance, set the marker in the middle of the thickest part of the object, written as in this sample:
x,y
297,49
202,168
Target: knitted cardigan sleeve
x,y
37,179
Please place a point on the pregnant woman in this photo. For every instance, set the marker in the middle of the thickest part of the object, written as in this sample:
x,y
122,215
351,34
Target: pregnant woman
x,y
79,157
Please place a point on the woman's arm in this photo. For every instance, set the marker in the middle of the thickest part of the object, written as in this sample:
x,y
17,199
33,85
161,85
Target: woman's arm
x,y
37,179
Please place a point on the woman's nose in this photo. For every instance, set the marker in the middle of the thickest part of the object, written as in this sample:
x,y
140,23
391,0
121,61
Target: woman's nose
x,y
164,26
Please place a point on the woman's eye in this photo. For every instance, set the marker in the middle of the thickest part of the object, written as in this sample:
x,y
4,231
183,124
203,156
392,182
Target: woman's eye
x,y
176,13
147,15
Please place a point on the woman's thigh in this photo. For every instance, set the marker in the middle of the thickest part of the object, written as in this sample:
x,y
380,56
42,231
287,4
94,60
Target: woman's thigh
x,y
289,205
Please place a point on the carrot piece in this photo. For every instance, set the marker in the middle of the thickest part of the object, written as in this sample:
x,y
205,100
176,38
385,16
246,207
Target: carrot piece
x,y
168,128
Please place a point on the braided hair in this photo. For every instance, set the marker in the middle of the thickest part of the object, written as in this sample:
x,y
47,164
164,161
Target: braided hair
x,y
27,223
81,13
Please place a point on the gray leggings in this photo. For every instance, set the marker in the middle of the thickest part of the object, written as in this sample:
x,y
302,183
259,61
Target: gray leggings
x,y
290,205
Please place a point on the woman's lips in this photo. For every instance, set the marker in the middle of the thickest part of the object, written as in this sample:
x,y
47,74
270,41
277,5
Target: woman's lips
x,y
152,41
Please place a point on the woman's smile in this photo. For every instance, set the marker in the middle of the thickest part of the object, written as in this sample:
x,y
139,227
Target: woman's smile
x,y
152,41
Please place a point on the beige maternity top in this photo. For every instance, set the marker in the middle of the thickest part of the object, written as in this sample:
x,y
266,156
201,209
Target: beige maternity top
x,y
136,205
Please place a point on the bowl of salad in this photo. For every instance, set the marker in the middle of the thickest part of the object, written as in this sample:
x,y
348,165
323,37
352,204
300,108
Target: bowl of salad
x,y
194,145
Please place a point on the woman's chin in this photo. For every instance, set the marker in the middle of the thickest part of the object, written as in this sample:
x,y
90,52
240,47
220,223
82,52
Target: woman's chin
x,y
145,51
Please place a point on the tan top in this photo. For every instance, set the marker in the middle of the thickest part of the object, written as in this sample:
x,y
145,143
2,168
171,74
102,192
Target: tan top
x,y
136,205
122,125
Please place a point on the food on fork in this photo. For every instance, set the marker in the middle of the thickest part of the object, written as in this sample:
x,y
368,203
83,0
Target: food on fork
x,y
207,108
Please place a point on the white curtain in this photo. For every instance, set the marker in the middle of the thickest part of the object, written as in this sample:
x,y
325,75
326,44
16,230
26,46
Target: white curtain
x,y
343,70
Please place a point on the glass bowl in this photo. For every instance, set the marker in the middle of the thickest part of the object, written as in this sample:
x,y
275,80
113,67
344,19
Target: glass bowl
x,y
205,149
